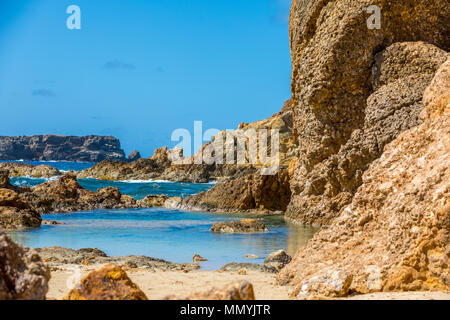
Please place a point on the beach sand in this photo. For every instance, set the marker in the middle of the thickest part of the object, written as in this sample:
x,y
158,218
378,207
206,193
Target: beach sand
x,y
160,284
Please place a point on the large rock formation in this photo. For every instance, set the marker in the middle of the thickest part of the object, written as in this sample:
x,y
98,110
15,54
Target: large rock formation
x,y
355,89
15,213
67,195
65,148
23,275
253,193
241,290
395,234
163,165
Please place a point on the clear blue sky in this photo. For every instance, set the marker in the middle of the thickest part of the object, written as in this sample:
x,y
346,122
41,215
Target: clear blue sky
x,y
138,69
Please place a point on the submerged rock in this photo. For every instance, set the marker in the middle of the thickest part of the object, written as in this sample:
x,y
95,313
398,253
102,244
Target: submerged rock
x,y
23,275
108,283
242,290
243,226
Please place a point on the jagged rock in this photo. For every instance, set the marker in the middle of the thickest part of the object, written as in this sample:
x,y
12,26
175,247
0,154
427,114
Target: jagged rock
x,y
243,226
277,259
108,283
134,155
153,201
23,275
12,218
242,290
257,193
344,114
65,148
67,195
235,266
57,255
14,212
395,234
27,170
128,200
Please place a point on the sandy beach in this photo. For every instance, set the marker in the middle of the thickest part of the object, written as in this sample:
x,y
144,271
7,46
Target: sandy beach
x,y
160,284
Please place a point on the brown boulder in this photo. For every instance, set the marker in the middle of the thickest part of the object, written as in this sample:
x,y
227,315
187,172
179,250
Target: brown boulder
x,y
153,201
108,283
23,275
251,193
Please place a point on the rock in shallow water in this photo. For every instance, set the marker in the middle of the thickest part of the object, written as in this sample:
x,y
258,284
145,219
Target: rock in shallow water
x,y
243,226
23,275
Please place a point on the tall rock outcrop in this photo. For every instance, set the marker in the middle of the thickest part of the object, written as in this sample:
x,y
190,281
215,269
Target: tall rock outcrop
x,y
63,148
355,89
23,275
395,234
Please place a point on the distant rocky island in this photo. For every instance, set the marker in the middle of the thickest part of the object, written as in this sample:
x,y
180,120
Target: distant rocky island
x,y
61,148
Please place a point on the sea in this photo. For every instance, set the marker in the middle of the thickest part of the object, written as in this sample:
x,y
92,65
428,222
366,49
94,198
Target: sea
x,y
172,235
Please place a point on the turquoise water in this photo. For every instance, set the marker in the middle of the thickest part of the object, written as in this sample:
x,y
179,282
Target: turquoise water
x,y
157,232
137,190
60,165
168,234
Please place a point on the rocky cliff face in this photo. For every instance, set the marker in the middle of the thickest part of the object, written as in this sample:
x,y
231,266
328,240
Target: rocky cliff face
x,y
355,89
395,233
161,165
63,148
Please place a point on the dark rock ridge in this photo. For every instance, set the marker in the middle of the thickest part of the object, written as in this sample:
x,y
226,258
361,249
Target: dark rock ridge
x,y
355,89
61,148
55,256
23,275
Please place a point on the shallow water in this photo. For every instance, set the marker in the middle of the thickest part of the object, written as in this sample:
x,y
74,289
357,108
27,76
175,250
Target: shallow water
x,y
168,234
157,232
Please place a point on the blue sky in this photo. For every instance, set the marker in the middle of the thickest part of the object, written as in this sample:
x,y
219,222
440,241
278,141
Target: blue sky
x,y
139,69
